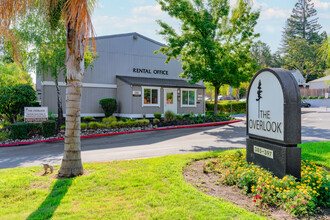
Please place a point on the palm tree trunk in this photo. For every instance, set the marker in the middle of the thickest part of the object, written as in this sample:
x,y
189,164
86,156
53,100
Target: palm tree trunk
x,y
71,162
60,118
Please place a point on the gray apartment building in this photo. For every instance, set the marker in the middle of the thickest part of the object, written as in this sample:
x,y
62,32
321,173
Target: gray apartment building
x,y
128,70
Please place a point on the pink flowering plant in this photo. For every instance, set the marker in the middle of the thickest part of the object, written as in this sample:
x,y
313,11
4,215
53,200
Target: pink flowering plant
x,y
298,198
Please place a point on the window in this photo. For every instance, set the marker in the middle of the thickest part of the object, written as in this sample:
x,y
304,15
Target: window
x,y
150,96
188,97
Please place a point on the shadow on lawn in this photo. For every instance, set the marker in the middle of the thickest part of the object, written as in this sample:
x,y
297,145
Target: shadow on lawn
x,y
48,207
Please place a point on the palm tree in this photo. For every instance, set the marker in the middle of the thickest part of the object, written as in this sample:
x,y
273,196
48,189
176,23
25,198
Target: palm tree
x,y
76,14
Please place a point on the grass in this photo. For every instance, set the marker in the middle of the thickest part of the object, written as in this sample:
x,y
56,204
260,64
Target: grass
x,y
319,152
132,189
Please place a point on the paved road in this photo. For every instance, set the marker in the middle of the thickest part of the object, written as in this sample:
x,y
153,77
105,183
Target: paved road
x,y
315,127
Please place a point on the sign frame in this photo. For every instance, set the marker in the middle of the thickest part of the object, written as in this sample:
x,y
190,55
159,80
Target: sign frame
x,y
43,110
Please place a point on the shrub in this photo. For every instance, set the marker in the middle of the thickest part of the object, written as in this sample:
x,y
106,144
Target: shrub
x,y
83,126
19,130
169,116
33,104
48,128
121,124
13,99
179,116
34,129
89,118
3,136
310,97
321,97
113,124
303,97
131,123
92,125
109,106
62,127
158,115
155,121
143,122
315,97
109,120
100,125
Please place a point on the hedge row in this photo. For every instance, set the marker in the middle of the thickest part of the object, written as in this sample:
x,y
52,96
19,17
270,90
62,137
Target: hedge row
x,y
22,130
236,106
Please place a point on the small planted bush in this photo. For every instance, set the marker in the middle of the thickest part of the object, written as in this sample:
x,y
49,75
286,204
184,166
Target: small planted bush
x,y
83,126
131,123
109,106
100,125
321,97
142,122
89,118
48,128
169,116
310,97
62,127
155,121
3,136
303,97
158,115
19,130
109,120
92,125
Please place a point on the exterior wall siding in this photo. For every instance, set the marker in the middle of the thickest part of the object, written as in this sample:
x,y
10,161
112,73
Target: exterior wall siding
x,y
119,55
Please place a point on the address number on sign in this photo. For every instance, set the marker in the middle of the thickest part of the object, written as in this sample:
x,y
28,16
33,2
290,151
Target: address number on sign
x,y
263,151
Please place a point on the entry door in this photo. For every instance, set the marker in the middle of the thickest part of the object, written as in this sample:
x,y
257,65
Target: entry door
x,y
170,100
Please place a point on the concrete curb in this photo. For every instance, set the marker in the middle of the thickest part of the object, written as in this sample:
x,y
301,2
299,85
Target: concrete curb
x,y
129,132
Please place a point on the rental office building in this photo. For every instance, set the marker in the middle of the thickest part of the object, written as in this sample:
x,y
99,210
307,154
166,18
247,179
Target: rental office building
x,y
127,70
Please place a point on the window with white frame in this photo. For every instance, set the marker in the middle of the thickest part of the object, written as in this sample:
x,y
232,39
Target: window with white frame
x,y
188,97
150,96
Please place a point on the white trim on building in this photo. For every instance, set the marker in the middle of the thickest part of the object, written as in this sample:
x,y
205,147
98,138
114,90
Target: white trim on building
x,y
86,85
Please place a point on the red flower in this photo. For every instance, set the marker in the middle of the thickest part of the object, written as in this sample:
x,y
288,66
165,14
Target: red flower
x,y
254,200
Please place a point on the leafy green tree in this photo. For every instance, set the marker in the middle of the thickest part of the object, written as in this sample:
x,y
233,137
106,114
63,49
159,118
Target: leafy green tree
x,y
325,51
11,74
14,98
214,42
301,40
260,51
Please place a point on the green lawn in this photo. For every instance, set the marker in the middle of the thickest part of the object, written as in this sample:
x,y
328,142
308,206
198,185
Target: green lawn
x,y
132,189
319,152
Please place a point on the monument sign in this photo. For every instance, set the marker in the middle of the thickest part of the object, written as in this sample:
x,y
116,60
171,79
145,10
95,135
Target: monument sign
x,y
274,122
35,114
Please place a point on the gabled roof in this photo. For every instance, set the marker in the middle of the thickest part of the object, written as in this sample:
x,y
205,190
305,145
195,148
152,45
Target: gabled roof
x,y
130,34
143,81
322,79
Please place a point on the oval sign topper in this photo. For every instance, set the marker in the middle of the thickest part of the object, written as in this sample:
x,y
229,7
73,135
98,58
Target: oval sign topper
x,y
273,107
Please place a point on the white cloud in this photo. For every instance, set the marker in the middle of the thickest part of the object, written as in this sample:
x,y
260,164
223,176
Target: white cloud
x,y
272,13
321,5
149,10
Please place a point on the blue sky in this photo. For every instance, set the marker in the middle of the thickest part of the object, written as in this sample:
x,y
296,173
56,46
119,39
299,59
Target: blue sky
x,y
124,16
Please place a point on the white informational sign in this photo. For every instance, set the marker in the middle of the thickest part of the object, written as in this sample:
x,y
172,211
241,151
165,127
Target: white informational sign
x,y
263,151
35,114
265,107
326,95
136,93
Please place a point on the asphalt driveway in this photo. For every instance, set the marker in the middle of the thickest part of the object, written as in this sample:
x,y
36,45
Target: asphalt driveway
x,y
315,127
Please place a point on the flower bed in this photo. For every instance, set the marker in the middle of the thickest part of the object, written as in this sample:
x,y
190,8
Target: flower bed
x,y
299,198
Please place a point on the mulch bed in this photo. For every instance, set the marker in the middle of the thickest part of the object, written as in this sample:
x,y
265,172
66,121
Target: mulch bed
x,y
207,183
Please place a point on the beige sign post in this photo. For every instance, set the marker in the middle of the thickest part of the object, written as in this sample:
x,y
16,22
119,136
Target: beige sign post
x,y
35,114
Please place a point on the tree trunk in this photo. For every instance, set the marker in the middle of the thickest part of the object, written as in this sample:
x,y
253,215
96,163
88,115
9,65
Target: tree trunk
x,y
237,95
216,93
60,118
71,162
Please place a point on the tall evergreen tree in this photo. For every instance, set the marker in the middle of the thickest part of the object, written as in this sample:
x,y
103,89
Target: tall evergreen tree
x,y
301,40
